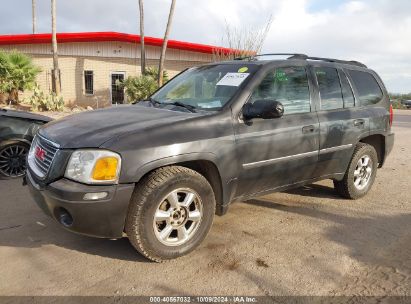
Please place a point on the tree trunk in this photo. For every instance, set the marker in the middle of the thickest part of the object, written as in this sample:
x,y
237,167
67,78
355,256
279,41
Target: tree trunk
x,y
33,14
164,46
143,52
14,97
55,75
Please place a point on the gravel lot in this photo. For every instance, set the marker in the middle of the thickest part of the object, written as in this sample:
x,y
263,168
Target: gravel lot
x,y
306,241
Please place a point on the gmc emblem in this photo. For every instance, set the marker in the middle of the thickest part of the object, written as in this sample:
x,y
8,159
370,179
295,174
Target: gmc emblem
x,y
40,153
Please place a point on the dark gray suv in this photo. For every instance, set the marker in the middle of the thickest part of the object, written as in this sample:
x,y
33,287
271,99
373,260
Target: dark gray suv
x,y
157,171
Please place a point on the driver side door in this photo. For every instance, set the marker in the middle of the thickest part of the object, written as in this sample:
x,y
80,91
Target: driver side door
x,y
279,151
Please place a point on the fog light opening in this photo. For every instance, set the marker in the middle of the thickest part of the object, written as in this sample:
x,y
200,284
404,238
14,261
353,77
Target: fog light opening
x,y
95,196
64,217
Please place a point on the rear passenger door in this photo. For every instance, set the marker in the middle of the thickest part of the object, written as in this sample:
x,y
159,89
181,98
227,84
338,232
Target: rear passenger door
x,y
342,123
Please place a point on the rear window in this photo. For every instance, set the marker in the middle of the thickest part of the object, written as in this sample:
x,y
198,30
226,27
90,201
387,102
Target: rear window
x,y
347,93
330,89
369,92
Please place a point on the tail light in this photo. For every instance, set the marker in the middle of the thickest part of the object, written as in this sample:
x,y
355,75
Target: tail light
x,y
391,115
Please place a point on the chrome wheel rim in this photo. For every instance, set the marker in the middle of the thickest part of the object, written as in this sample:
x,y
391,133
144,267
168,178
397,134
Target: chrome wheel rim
x,y
363,172
13,160
178,217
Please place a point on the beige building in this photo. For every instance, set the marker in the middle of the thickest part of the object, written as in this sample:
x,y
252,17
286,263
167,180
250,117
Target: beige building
x,y
91,63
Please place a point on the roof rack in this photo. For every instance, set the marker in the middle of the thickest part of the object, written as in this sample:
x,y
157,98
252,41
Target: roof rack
x,y
304,57
268,54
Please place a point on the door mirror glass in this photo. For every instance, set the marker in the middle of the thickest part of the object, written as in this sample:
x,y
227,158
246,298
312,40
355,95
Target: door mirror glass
x,y
263,108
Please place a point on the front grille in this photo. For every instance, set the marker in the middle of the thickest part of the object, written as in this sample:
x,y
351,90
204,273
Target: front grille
x,y
41,155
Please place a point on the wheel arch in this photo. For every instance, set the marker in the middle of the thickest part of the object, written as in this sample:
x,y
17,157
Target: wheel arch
x,y
15,139
203,163
378,142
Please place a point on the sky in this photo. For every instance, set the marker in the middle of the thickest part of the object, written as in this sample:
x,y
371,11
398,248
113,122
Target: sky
x,y
375,32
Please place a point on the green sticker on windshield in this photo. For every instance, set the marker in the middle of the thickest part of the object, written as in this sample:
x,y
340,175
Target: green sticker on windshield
x,y
280,75
242,70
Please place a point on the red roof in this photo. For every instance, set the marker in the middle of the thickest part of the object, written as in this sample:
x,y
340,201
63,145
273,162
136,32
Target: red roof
x,y
107,36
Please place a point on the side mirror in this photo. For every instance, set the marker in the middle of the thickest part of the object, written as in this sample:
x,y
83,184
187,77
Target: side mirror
x,y
263,108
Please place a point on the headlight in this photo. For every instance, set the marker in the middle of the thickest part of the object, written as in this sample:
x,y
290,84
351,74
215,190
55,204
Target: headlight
x,y
94,167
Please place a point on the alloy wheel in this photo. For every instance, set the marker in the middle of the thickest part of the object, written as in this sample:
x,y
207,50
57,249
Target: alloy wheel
x,y
178,217
363,172
13,160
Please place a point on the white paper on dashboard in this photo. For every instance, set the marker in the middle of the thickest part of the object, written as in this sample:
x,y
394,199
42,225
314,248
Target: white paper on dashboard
x,y
233,79
211,104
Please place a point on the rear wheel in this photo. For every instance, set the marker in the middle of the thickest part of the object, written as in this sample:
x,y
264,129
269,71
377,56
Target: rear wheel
x,y
170,213
13,159
361,172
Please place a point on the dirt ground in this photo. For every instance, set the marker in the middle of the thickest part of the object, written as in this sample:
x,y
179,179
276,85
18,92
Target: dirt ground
x,y
302,242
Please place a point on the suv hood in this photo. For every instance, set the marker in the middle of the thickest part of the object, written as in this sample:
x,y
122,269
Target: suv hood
x,y
93,128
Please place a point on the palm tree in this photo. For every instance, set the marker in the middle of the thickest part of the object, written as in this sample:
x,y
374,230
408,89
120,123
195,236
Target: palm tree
x,y
143,53
164,46
55,75
33,14
17,73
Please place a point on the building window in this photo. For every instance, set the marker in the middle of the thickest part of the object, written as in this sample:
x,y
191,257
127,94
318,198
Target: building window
x,y
89,82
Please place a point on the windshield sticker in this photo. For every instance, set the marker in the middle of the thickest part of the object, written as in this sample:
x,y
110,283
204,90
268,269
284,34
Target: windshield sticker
x,y
211,104
233,79
242,70
280,75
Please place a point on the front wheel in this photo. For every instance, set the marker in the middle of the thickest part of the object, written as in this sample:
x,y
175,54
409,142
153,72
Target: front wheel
x,y
170,213
361,172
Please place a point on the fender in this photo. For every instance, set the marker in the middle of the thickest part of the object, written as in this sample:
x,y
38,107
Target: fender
x,y
166,161
226,181
20,138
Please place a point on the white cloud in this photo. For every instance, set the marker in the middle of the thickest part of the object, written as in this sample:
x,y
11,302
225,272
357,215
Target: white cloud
x,y
373,31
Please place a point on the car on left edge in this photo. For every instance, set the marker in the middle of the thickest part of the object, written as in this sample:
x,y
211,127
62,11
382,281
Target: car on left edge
x,y
17,130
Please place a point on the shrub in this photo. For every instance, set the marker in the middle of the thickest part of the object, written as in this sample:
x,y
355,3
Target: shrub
x,y
45,102
141,87
17,73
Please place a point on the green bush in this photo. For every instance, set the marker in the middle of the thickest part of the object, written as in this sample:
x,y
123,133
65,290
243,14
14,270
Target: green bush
x,y
45,102
141,87
17,73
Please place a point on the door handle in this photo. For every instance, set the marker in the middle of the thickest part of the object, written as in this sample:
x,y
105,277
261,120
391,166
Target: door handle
x,y
309,129
359,122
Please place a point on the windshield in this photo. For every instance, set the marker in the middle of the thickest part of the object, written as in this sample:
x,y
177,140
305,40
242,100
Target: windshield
x,y
207,87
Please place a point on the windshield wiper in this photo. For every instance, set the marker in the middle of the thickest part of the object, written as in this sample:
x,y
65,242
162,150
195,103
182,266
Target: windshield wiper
x,y
153,101
180,104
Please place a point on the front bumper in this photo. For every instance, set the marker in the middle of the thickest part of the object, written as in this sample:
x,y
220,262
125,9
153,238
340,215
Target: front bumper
x,y
99,218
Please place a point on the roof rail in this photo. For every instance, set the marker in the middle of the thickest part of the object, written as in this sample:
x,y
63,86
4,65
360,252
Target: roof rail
x,y
304,57
268,54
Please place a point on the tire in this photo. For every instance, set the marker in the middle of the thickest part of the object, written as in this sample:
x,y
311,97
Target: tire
x,y
13,159
179,227
358,179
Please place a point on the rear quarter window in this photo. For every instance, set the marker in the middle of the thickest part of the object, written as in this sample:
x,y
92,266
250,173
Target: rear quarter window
x,y
368,89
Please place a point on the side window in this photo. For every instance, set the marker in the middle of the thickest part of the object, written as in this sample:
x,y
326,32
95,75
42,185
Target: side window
x,y
347,93
369,92
330,88
287,85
